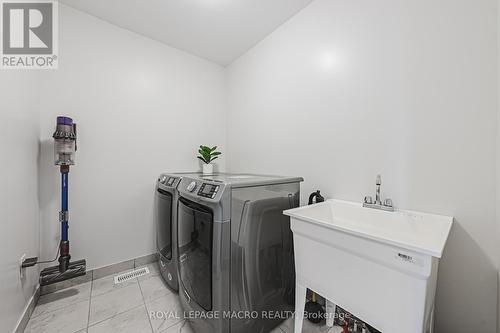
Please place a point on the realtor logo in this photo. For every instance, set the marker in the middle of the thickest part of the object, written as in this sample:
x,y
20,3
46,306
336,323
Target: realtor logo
x,y
29,34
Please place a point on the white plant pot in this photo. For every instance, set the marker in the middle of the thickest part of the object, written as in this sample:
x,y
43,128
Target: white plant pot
x,y
208,169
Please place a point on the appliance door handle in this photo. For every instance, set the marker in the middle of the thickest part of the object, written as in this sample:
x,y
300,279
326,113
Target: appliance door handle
x,y
194,206
161,191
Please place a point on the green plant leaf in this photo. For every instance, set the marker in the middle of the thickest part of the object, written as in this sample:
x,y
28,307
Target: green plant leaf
x,y
208,154
202,159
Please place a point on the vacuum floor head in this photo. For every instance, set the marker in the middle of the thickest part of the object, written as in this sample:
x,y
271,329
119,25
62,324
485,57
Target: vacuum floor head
x,y
52,274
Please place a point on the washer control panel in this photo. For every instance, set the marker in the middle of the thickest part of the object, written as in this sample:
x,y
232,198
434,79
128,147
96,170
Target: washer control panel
x,y
169,181
208,190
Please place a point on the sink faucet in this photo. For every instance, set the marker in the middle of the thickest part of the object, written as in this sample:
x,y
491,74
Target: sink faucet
x,y
378,182
378,204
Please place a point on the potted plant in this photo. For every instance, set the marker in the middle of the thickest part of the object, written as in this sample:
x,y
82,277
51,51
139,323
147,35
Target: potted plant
x,y
207,156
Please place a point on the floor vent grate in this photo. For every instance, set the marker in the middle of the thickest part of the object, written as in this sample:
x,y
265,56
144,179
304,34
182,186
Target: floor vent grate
x,y
131,275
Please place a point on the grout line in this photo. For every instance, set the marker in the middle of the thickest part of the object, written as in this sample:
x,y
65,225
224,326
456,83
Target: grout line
x,y
145,306
90,302
134,307
152,299
161,328
123,284
113,290
101,321
59,308
52,311
184,324
107,292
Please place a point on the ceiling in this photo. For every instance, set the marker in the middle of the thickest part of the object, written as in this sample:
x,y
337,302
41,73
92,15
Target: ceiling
x,y
217,30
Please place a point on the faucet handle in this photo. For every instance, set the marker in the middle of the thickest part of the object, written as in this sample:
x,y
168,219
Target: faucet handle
x,y
388,202
368,199
378,181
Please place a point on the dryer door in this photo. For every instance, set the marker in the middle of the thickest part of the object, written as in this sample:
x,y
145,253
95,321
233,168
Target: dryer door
x,y
195,234
164,223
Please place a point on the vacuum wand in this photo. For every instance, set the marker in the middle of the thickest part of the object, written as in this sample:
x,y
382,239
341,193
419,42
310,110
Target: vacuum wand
x,y
64,257
64,151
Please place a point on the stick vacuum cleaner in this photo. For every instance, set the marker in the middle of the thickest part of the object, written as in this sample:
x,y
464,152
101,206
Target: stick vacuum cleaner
x,y
64,153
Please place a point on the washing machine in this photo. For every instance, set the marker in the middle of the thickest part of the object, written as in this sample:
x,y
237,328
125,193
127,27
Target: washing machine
x,y
235,251
166,225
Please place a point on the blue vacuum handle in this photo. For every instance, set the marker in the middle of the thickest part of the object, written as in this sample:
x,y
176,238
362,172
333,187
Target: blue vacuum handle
x,y
64,205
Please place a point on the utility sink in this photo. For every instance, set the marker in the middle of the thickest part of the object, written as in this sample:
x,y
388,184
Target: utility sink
x,y
380,266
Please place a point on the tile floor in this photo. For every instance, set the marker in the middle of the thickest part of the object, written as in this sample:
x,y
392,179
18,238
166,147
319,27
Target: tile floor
x,y
100,306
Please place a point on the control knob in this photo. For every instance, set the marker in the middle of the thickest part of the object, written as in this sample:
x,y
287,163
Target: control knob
x,y
191,187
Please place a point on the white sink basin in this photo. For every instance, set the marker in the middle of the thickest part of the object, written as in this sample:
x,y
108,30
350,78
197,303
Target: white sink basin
x,y
380,266
421,232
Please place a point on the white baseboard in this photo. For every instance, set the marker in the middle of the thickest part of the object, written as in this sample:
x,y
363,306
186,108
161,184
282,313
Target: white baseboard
x,y
28,310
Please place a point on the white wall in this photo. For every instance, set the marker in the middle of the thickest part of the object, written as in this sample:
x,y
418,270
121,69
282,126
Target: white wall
x,y
142,108
348,89
498,156
343,91
19,223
